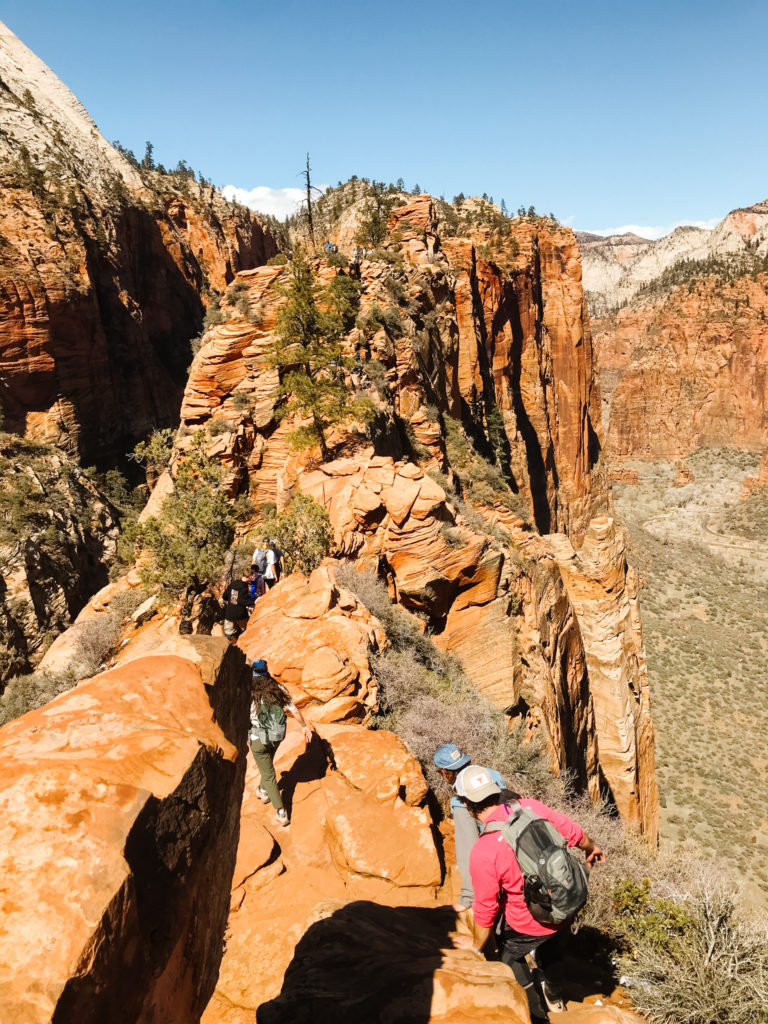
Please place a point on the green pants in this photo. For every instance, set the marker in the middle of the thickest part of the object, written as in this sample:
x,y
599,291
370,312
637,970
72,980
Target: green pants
x,y
263,753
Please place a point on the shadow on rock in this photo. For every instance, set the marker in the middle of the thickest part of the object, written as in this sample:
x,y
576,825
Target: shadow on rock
x,y
364,964
312,764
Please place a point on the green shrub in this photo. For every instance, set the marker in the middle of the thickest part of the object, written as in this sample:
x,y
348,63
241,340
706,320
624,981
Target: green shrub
x,y
302,532
29,692
218,425
189,537
277,261
213,315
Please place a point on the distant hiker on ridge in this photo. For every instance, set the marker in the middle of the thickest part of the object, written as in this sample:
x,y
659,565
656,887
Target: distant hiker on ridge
x,y
449,761
269,702
236,608
522,853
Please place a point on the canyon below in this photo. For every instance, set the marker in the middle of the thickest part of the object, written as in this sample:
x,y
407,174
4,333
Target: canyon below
x,y
517,477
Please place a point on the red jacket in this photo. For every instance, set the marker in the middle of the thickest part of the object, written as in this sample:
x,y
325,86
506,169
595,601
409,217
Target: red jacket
x,y
494,867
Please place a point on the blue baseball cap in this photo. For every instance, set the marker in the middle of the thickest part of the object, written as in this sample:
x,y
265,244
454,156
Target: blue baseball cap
x,y
449,756
259,667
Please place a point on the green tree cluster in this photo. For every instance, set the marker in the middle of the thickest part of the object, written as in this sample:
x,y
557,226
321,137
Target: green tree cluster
x,y
302,532
188,540
308,353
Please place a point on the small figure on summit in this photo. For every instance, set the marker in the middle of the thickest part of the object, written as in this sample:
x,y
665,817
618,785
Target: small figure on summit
x,y
522,856
269,702
449,761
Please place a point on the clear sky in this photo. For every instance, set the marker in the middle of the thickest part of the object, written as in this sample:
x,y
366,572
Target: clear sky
x,y
606,113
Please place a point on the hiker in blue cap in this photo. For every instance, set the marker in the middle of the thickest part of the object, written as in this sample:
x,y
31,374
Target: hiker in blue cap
x,y
269,702
449,761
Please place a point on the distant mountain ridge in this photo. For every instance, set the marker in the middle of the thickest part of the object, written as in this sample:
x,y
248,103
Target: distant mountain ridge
x,y
620,269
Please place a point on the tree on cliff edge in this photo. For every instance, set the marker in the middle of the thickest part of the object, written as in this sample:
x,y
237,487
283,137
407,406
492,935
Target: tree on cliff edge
x,y
187,541
308,353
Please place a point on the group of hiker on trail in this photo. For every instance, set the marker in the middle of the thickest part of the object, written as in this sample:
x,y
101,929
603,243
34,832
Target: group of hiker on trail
x,y
519,882
241,595
518,878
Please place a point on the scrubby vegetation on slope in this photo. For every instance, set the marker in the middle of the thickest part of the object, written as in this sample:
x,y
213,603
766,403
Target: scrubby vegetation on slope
x,y
705,620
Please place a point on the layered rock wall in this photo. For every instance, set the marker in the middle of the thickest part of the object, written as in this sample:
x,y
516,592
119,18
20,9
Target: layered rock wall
x,y
103,271
475,345
120,820
604,594
691,371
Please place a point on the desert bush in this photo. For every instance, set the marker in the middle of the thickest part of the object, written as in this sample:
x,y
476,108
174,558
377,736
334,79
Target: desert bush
x,y
96,641
337,259
277,261
218,425
302,532
691,958
242,401
29,692
425,697
213,314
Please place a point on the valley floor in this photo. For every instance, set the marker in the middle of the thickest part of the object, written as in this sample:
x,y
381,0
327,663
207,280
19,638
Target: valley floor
x,y
704,557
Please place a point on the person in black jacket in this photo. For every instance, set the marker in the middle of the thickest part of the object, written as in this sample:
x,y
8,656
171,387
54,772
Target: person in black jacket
x,y
236,608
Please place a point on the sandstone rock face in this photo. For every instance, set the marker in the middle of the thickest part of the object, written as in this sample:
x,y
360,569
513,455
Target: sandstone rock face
x,y
57,536
503,352
475,339
120,816
336,917
603,592
101,271
317,640
691,371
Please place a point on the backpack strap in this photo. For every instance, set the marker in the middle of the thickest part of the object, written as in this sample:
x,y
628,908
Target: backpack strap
x,y
496,826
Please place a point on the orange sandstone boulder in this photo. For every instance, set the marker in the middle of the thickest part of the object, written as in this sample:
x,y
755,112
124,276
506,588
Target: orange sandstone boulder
x,y
119,812
359,831
317,639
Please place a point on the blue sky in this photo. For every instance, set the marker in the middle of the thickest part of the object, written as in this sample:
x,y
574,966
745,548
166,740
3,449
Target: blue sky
x,y
607,114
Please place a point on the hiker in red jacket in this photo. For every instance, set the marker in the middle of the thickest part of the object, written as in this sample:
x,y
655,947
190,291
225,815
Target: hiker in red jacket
x,y
494,869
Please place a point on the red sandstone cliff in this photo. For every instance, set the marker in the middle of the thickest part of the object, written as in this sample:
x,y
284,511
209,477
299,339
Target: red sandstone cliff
x,y
473,340
689,370
102,271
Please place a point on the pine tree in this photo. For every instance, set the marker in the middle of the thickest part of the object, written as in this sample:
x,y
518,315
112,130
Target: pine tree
x,y
308,353
189,537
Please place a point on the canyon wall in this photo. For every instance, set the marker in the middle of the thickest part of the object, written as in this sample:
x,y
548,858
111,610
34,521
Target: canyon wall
x,y
58,535
465,345
104,271
120,822
689,370
681,332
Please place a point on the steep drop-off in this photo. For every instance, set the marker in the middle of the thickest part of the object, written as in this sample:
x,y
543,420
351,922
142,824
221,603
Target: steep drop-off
x,y
104,271
58,534
463,345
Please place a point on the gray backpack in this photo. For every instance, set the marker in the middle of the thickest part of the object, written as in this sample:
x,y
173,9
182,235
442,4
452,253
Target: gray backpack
x,y
269,725
554,881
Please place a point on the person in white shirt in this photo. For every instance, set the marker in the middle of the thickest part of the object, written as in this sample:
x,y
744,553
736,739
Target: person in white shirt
x,y
272,571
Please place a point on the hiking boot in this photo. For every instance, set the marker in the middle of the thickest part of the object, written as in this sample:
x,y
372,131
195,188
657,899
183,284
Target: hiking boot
x,y
263,795
552,996
282,818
